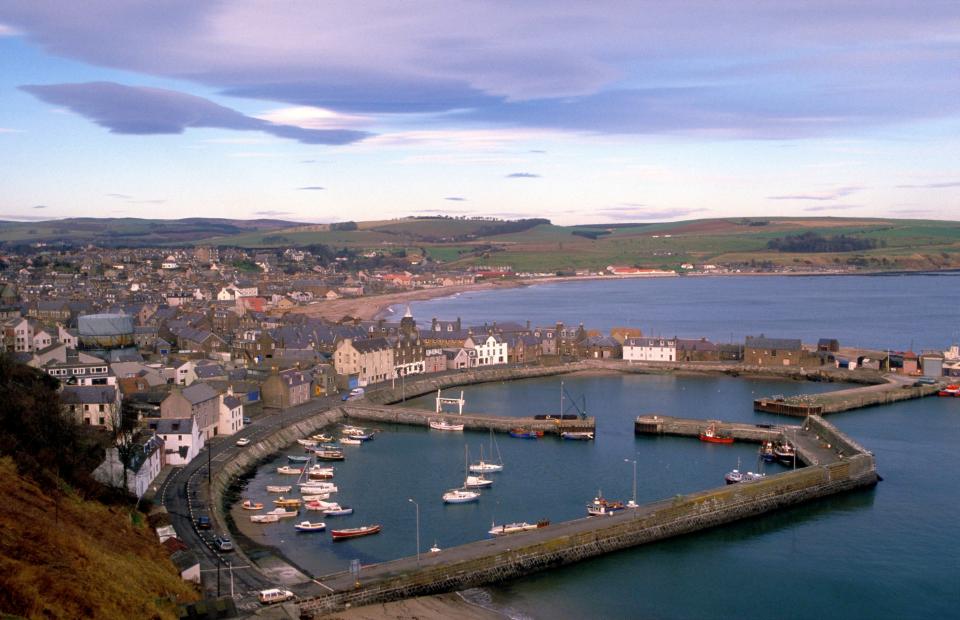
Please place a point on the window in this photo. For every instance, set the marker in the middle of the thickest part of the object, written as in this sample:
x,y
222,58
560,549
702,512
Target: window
x,y
101,420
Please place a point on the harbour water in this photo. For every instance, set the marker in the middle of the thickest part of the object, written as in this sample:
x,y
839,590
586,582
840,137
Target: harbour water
x,y
890,552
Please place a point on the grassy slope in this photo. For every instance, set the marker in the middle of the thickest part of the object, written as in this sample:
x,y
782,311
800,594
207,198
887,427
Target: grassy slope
x,y
92,563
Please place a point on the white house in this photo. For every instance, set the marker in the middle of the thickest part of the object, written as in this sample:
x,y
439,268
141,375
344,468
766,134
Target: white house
x,y
170,262
146,461
231,414
21,331
182,438
66,337
650,349
42,339
488,351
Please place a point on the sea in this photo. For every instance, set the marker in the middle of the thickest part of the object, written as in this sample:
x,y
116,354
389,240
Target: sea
x,y
889,552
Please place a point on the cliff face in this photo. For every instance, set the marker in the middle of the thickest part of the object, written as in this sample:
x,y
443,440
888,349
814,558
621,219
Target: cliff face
x,y
63,557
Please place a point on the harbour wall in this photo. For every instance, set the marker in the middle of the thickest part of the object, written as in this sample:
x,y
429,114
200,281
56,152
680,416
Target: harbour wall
x,y
499,424
673,517
686,427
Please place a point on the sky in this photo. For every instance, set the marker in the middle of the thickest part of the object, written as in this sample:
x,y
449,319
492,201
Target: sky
x,y
580,112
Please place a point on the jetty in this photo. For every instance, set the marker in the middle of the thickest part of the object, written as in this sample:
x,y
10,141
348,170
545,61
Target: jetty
x,y
395,414
835,464
893,388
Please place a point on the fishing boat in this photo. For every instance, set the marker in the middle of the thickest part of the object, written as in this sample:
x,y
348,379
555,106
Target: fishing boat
x,y
350,441
319,472
320,505
264,518
316,497
443,425
514,528
272,488
354,532
308,443
712,435
766,452
523,433
338,511
950,390
287,503
290,471
316,487
309,526
329,454
734,476
482,467
785,453
321,438
282,513
297,460
602,506
353,431
251,505
477,482
577,435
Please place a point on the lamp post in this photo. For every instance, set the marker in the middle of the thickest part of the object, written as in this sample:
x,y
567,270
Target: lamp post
x,y
633,502
417,506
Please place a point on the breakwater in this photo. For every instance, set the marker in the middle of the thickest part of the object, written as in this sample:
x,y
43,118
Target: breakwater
x,y
894,388
686,427
499,424
513,556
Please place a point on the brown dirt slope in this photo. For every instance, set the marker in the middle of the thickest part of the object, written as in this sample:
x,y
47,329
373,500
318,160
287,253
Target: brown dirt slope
x,y
85,560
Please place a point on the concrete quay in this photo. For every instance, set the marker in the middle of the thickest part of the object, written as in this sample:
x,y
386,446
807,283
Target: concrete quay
x,y
893,388
475,422
517,555
691,427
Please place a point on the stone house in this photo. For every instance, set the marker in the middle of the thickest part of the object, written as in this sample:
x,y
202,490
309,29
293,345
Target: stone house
x,y
488,350
95,405
694,350
288,388
599,347
198,401
408,349
457,359
231,414
370,360
763,351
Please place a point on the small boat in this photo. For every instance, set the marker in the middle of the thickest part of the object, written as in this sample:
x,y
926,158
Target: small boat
x,y
308,443
753,477
319,472
514,528
577,435
950,390
308,526
251,505
483,467
282,513
315,497
268,518
785,453
297,460
338,511
322,438
354,532
522,433
733,477
601,506
443,425
290,471
766,452
287,503
477,482
435,548
271,488
315,487
350,441
320,505
329,454
711,435
353,431
460,496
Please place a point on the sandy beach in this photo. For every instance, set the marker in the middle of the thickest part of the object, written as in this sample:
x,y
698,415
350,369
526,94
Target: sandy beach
x,y
439,607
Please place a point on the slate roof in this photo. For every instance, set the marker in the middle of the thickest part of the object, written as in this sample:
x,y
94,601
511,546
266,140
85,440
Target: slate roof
x,y
198,393
88,395
781,344
232,402
172,426
690,344
370,345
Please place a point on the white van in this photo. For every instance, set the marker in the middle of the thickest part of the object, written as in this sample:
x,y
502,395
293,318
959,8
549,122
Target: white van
x,y
274,595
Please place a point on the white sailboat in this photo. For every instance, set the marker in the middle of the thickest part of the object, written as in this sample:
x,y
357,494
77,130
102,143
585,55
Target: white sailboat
x,y
463,494
482,467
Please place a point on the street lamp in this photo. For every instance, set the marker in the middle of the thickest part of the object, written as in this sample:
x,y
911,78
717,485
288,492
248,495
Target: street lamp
x,y
633,502
417,506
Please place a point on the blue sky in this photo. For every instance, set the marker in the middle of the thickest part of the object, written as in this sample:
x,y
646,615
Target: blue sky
x,y
579,112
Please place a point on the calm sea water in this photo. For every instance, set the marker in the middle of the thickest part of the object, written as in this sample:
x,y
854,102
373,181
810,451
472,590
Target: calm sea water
x,y
891,552
896,311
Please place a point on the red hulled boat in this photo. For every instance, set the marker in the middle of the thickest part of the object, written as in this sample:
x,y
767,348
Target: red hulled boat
x,y
711,435
354,532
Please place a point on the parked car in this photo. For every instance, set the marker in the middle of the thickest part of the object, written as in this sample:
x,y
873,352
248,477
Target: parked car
x,y
203,522
247,421
243,441
223,543
274,595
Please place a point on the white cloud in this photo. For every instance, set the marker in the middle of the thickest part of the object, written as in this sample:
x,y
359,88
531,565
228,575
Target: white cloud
x,y
310,117
7,31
